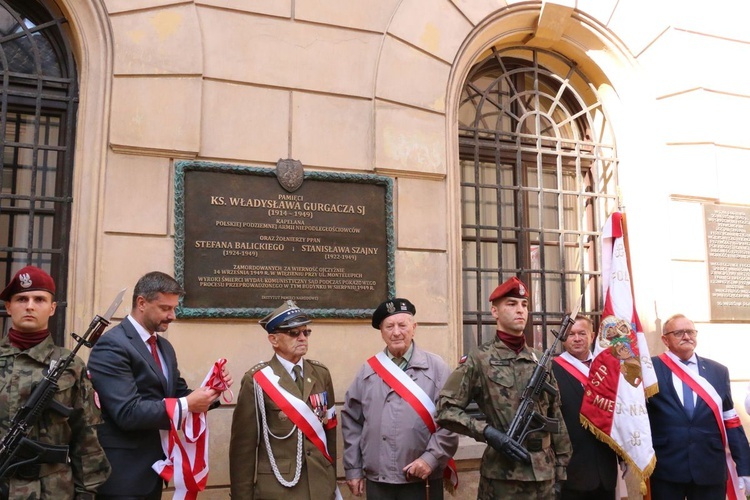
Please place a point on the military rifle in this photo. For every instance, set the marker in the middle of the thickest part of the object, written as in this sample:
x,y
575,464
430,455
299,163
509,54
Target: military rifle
x,y
16,449
526,415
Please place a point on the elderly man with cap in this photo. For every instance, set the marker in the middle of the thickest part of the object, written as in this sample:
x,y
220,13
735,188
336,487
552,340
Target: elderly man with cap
x,y
283,442
495,375
25,354
392,447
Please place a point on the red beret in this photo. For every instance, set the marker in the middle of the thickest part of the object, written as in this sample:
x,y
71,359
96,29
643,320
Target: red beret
x,y
511,288
28,279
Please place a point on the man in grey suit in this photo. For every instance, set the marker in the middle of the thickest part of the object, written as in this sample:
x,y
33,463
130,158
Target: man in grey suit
x,y
133,370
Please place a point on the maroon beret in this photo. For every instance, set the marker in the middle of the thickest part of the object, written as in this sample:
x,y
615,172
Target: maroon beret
x,y
28,279
511,288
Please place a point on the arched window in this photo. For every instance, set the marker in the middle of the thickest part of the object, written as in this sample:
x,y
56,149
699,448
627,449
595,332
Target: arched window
x,y
37,118
538,177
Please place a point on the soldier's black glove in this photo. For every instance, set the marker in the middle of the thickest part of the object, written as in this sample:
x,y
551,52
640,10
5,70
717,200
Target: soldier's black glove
x,y
558,489
505,445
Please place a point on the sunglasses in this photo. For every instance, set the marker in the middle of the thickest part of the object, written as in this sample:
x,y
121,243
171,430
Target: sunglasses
x,y
296,333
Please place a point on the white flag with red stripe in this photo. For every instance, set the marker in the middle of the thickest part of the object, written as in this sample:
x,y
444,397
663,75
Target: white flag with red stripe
x,y
621,376
186,462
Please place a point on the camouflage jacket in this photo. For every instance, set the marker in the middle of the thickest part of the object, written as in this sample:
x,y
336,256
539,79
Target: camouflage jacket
x,y
495,377
88,467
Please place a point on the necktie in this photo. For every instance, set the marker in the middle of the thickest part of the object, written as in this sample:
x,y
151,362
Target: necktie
x,y
298,378
587,363
399,362
687,396
152,345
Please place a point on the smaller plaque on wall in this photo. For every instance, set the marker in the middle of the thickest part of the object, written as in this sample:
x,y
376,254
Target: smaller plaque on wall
x,y
728,258
248,238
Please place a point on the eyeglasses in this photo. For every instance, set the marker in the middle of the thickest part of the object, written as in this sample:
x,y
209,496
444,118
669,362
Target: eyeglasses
x,y
296,333
680,334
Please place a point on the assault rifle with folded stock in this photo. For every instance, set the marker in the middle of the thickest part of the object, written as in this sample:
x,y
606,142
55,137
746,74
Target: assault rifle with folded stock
x,y
527,419
16,450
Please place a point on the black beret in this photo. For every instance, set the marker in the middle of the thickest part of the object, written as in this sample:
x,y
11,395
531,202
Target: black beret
x,y
390,307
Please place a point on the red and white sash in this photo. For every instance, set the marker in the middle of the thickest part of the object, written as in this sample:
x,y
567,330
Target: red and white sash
x,y
574,367
405,387
187,454
297,410
724,420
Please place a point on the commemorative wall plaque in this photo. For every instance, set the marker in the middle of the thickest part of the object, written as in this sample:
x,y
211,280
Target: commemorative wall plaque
x,y
249,238
728,251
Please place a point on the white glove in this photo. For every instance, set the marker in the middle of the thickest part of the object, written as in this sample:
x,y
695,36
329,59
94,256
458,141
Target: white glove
x,y
745,484
624,468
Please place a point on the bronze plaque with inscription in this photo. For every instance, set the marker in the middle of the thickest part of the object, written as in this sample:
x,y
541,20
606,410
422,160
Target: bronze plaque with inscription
x,y
244,244
728,251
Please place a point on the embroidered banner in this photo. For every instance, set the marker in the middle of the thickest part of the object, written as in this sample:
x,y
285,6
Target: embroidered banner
x,y
621,374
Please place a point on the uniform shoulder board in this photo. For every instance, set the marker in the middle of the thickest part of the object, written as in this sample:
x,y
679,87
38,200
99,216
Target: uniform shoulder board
x,y
257,367
463,359
317,363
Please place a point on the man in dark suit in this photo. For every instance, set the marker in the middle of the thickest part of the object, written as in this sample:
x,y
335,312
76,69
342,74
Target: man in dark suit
x,y
690,418
133,370
592,470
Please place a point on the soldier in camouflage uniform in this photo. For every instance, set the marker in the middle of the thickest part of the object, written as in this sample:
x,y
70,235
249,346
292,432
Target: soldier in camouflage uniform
x,y
25,353
495,375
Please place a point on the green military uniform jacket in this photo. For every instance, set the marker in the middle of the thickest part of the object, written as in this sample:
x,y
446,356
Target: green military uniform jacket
x,y
495,377
88,468
248,453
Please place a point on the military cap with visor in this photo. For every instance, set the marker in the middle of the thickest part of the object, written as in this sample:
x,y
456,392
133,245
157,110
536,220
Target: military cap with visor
x,y
285,317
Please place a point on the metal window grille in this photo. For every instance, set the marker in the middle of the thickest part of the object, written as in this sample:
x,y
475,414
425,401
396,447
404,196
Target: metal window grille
x,y
39,98
538,177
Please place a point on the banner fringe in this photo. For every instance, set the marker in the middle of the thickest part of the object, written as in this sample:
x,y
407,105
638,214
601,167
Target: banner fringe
x,y
642,475
652,390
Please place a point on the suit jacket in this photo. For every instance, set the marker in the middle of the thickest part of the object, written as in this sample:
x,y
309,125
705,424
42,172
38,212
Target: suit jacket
x,y
248,454
593,462
131,389
690,449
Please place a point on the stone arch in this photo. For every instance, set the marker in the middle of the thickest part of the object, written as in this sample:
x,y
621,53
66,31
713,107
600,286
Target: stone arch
x,y
572,34
92,43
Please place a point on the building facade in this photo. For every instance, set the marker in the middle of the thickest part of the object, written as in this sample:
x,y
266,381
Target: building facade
x,y
510,130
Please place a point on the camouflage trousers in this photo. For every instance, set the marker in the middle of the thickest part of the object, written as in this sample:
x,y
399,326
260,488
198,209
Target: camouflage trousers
x,y
496,489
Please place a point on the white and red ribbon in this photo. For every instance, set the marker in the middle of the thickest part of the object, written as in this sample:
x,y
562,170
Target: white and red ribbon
x,y
215,380
708,394
186,454
297,410
405,387
573,366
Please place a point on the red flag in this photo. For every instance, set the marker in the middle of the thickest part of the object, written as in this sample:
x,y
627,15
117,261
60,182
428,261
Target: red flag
x,y
621,376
